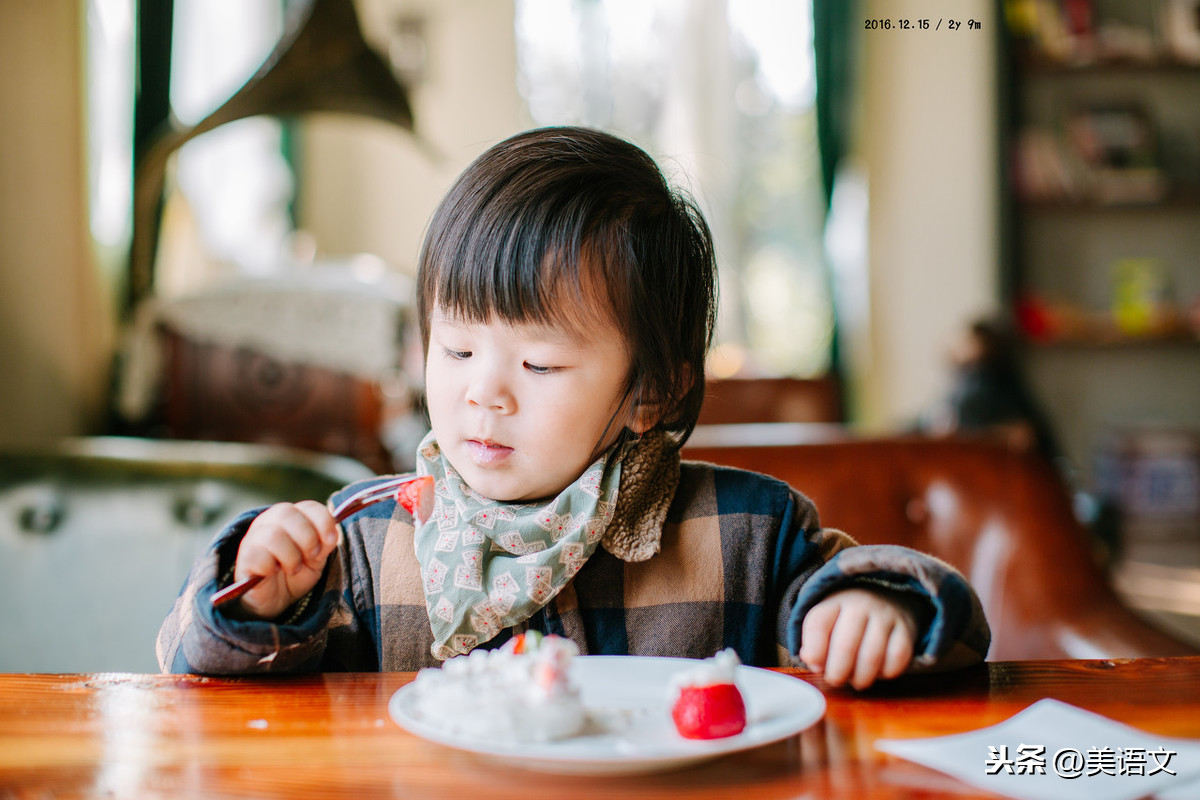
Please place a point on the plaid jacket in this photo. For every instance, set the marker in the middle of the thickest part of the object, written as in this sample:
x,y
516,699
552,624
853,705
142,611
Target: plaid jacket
x,y
743,558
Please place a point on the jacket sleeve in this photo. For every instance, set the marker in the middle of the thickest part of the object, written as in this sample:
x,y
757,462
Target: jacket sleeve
x,y
196,638
953,633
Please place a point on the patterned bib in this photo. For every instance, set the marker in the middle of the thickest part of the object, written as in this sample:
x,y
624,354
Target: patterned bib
x,y
488,565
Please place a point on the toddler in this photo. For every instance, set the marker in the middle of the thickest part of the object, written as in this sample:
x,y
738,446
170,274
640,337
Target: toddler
x,y
567,296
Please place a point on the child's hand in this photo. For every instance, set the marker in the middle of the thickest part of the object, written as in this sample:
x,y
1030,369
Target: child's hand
x,y
857,635
288,545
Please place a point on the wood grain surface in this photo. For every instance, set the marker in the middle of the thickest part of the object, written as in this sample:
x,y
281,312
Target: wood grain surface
x,y
128,735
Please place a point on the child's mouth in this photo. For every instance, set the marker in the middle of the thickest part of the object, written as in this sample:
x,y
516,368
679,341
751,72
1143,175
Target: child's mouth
x,y
487,454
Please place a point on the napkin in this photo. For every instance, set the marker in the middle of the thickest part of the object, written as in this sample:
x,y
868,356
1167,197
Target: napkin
x,y
1055,751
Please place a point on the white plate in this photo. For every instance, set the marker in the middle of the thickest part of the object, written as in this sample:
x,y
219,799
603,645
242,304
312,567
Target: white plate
x,y
631,729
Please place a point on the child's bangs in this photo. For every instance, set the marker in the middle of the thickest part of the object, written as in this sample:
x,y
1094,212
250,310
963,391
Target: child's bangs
x,y
541,280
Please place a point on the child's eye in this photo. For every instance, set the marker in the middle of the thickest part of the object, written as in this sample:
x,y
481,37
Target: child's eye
x,y
537,369
457,355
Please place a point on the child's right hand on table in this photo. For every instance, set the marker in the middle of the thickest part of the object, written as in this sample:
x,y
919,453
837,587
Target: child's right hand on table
x,y
858,636
288,545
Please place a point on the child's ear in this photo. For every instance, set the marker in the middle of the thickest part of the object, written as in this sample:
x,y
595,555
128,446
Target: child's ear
x,y
649,409
644,417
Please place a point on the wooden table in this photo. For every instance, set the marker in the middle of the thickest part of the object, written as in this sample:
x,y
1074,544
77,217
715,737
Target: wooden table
x,y
124,735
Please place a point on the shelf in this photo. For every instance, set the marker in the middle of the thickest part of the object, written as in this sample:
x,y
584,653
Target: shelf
x,y
1113,342
1100,219
1070,327
1186,201
1035,66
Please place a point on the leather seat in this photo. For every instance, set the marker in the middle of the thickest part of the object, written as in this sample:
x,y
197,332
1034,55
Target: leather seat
x,y
1001,516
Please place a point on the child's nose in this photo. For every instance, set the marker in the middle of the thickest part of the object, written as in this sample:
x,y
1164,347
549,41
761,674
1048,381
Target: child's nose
x,y
488,390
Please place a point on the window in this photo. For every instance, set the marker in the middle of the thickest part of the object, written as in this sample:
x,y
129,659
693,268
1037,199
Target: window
x,y
227,205
726,88
110,132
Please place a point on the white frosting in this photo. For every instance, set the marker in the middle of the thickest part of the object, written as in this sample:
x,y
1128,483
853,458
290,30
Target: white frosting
x,y
719,669
502,695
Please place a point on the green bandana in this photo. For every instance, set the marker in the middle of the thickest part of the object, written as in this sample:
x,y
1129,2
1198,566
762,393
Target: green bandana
x,y
488,565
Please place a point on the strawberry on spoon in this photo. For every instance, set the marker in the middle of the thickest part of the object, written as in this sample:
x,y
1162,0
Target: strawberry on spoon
x,y
416,496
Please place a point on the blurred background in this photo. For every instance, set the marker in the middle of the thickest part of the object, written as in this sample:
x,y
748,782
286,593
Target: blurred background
x,y
899,190
723,92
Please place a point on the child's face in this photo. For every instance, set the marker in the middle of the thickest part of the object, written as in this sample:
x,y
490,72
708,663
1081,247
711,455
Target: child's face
x,y
519,409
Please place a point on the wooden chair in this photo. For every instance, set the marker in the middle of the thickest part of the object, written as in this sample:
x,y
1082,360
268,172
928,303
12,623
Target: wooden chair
x,y
750,400
1001,516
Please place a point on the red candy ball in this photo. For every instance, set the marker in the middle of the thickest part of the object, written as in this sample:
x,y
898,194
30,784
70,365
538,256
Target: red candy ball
x,y
709,712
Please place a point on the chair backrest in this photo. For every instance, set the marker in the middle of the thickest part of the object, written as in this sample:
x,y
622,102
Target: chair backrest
x,y
1003,517
747,400
314,359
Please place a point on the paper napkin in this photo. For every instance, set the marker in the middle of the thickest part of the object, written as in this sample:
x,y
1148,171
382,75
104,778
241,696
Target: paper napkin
x,y
1056,751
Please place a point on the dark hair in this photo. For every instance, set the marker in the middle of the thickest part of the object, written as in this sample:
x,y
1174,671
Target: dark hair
x,y
544,224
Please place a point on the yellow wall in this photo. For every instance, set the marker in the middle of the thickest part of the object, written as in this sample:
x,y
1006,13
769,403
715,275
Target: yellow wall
x,y
55,330
929,143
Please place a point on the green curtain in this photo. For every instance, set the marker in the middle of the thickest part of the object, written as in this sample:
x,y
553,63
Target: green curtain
x,y
152,95
834,57
834,51
152,91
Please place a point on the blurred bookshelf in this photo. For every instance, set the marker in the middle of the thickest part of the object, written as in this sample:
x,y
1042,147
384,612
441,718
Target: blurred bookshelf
x,y
1100,118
